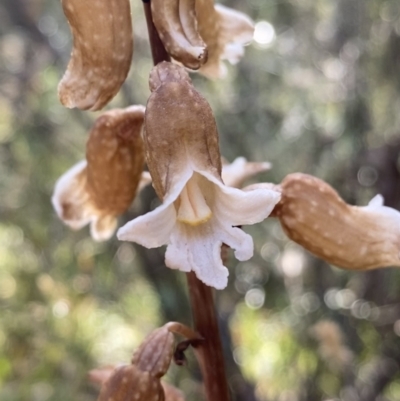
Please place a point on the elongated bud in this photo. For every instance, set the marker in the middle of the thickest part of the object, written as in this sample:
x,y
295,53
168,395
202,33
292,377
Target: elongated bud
x,y
101,54
180,129
98,190
360,238
177,26
115,157
140,381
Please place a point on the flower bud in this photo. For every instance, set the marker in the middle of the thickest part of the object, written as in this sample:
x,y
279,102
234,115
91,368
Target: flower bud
x,y
101,54
358,238
98,190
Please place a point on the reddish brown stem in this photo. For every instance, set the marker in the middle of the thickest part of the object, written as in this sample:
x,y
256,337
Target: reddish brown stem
x,y
157,48
210,353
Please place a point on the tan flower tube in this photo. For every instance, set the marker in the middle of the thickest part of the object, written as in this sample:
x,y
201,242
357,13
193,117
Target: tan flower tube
x,y
101,54
357,238
176,25
98,190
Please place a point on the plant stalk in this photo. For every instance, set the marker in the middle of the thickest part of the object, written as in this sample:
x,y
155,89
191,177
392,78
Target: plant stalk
x,y
211,357
209,352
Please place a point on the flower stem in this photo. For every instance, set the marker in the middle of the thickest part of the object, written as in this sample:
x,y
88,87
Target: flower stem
x,y
209,352
157,48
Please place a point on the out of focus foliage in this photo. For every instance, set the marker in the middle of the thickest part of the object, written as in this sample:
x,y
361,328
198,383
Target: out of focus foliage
x,y
318,92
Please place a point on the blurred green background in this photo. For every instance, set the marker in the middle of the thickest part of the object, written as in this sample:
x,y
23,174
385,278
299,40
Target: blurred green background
x,y
317,92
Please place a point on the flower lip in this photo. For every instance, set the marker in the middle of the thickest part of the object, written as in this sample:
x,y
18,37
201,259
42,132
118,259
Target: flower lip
x,y
197,247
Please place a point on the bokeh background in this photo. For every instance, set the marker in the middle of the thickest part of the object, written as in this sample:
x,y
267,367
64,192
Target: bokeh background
x,y
317,92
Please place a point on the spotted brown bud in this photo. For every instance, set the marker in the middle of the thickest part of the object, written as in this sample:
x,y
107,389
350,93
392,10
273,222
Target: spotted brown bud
x,y
140,381
177,27
360,238
180,129
98,190
101,54
129,383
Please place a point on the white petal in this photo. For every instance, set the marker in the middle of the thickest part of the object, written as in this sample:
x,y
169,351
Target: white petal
x,y
239,207
102,228
70,199
240,169
198,249
152,229
376,201
145,180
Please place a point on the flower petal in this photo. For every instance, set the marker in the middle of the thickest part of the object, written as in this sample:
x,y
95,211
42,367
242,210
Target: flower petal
x,y
152,229
198,249
102,228
71,200
243,207
240,169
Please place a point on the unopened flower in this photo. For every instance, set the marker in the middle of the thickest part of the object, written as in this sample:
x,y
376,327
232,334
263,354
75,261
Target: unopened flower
x,y
358,238
141,380
199,213
176,25
101,54
99,189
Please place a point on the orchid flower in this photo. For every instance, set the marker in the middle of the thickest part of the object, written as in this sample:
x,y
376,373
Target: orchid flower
x,y
199,213
98,190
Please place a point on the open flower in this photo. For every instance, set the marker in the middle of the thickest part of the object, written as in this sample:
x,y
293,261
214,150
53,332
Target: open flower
x,y
98,190
199,213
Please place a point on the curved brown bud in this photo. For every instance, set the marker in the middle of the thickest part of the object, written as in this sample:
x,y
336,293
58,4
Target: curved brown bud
x,y
129,383
360,238
115,158
176,25
180,129
99,190
101,54
155,353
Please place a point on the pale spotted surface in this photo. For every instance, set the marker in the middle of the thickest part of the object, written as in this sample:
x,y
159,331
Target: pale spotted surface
x,y
129,383
178,120
155,353
115,157
101,54
98,190
177,27
313,215
140,381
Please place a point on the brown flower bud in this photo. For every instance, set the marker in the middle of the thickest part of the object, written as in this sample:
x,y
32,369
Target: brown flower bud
x,y
177,27
115,157
180,129
101,54
129,383
140,381
99,190
313,215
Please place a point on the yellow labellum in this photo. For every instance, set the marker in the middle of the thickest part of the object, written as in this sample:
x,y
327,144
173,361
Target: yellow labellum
x,y
193,209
